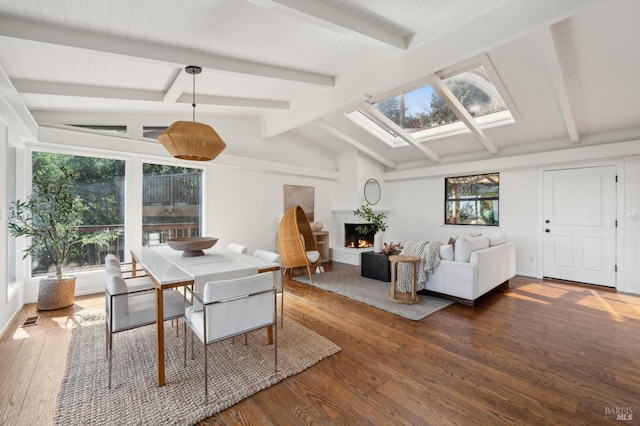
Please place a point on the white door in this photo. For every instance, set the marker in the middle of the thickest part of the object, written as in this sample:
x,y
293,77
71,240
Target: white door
x,y
580,225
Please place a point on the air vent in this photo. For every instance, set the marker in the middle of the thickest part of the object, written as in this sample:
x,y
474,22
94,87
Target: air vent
x,y
31,321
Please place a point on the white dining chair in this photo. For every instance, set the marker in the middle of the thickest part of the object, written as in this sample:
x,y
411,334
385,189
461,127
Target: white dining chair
x,y
238,248
231,308
277,276
132,303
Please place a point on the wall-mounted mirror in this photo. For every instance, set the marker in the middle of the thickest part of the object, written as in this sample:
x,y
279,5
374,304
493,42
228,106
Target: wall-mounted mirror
x,y
372,191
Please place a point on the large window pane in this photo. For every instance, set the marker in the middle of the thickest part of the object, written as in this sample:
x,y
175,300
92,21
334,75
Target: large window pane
x,y
100,185
472,200
172,203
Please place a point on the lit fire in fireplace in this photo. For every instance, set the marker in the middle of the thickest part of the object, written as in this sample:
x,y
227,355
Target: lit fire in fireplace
x,y
362,243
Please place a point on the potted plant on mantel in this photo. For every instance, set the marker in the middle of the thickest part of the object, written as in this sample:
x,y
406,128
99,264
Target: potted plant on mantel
x,y
376,222
50,218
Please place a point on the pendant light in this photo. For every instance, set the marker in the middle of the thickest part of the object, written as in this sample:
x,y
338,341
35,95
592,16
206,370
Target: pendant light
x,y
190,140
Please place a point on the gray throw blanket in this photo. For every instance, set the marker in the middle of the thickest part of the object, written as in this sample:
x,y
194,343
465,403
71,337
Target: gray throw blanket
x,y
429,254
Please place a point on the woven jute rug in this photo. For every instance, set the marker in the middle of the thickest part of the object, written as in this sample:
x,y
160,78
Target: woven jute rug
x,y
349,283
236,371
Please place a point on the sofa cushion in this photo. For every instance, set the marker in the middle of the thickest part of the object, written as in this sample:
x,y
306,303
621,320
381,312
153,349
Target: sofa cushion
x,y
466,245
497,239
446,252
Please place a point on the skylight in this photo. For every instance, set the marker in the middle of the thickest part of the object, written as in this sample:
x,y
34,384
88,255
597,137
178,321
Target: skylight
x,y
425,115
116,129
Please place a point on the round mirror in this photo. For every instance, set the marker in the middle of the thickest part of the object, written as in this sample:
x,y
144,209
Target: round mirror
x,y
372,191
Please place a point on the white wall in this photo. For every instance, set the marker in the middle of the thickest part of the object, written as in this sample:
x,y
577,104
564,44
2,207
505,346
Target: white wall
x,y
245,206
630,220
417,206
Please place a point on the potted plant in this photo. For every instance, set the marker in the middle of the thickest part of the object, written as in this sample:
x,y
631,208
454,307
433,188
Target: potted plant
x,y
50,218
376,223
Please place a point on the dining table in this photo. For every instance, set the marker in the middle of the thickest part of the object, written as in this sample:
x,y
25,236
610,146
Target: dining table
x,y
169,269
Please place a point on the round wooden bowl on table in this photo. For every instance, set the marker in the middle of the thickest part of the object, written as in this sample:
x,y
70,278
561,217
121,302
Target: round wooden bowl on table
x,y
192,246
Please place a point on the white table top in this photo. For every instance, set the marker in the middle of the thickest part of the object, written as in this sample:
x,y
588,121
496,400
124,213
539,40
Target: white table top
x,y
168,266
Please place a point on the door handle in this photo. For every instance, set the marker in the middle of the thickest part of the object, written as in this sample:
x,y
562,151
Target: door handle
x,y
547,230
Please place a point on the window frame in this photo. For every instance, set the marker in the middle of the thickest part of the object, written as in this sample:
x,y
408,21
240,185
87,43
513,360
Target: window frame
x,y
478,200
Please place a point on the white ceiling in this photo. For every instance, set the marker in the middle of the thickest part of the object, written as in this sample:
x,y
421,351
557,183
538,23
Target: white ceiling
x,y
569,67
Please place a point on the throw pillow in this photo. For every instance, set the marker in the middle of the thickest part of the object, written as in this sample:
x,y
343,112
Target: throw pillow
x,y
497,239
466,245
446,252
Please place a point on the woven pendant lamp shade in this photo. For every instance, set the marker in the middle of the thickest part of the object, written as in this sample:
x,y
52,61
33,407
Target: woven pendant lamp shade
x,y
190,140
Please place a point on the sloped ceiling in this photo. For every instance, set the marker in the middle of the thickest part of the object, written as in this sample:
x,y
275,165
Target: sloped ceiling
x,y
569,67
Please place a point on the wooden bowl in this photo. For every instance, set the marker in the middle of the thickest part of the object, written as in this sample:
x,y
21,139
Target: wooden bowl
x,y
192,246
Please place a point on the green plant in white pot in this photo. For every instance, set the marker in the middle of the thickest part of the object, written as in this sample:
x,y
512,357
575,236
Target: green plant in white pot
x,y
376,223
50,219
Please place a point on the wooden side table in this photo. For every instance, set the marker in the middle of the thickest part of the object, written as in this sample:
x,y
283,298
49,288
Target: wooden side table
x,y
410,298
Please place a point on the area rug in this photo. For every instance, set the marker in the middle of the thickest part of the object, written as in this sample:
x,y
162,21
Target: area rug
x,y
236,372
349,283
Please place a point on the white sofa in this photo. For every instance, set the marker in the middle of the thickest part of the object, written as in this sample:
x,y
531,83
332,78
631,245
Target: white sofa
x,y
486,269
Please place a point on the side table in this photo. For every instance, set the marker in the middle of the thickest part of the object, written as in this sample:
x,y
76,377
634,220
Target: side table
x,y
375,265
410,298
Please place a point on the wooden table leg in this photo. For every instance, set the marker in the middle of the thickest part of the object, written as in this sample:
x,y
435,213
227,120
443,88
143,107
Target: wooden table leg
x,y
270,335
160,335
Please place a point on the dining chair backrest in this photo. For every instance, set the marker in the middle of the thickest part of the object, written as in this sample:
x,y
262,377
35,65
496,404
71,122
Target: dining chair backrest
x,y
111,260
275,258
238,248
119,303
243,304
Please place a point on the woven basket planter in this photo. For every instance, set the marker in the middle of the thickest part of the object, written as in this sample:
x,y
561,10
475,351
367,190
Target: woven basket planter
x,y
56,293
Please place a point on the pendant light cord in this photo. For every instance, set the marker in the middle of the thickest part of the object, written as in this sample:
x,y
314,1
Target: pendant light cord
x,y
193,99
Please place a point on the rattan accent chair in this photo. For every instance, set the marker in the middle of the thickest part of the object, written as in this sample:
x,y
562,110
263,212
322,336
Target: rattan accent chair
x,y
296,243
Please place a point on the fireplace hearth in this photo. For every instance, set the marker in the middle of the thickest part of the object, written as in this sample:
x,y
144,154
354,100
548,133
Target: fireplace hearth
x,y
354,239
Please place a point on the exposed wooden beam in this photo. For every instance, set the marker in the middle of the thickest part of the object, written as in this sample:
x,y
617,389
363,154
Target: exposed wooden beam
x,y
87,91
177,87
153,51
441,89
14,112
319,13
233,101
555,74
358,145
400,131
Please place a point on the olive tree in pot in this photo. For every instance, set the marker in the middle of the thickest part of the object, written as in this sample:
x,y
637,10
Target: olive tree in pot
x,y
50,219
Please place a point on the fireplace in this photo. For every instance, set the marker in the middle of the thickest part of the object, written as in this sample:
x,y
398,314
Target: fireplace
x,y
354,239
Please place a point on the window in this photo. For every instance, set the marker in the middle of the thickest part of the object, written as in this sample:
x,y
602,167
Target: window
x,y
472,200
100,185
172,203
425,115
152,132
475,92
116,130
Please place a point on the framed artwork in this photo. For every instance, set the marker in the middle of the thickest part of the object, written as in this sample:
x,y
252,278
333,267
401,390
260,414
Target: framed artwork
x,y
301,196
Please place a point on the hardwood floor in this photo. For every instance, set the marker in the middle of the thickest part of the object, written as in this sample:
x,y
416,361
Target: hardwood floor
x,y
539,352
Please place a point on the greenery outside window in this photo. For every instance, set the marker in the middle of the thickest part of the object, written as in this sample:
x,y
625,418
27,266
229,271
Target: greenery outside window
x,y
100,184
472,200
172,203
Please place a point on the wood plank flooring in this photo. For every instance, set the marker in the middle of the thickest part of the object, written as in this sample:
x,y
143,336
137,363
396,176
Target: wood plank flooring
x,y
539,352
